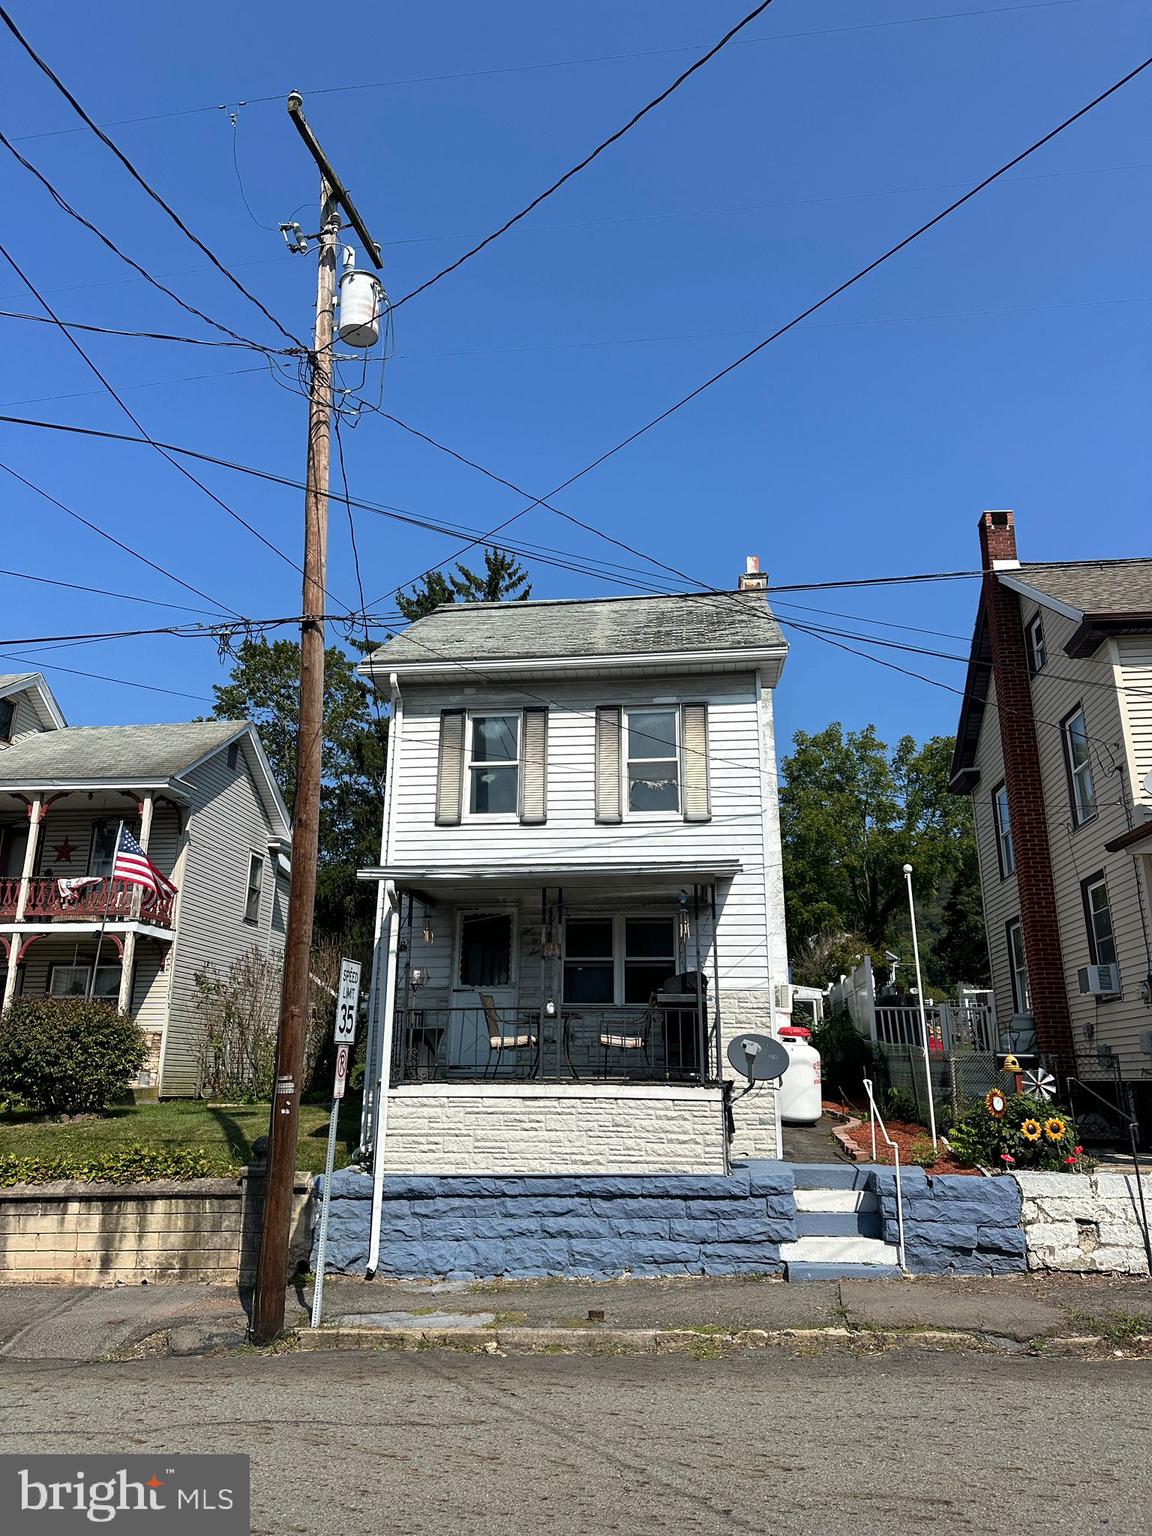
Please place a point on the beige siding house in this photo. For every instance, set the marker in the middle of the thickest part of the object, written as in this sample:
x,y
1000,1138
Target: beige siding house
x,y
1055,749
200,799
580,886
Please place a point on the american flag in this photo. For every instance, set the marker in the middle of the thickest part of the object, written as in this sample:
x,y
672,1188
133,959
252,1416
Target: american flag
x,y
132,865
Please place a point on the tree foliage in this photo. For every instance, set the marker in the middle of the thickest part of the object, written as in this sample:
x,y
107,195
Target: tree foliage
x,y
503,578
852,813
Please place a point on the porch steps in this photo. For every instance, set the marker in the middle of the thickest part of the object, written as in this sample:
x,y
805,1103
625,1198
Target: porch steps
x,y
838,1227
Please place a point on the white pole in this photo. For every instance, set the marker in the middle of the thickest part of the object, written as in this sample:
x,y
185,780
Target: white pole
x,y
383,1069
104,919
923,1015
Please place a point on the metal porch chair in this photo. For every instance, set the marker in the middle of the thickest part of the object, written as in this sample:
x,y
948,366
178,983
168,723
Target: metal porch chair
x,y
521,1036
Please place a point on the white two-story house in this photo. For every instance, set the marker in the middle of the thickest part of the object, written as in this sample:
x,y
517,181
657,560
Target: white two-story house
x,y
200,798
580,886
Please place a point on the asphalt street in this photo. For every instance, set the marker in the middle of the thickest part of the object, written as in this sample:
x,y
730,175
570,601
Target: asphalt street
x,y
433,1443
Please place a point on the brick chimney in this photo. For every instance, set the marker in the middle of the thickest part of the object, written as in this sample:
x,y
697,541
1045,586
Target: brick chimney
x,y
1034,880
752,578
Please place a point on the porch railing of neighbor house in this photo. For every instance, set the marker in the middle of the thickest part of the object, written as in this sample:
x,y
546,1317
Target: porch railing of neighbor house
x,y
658,1043
951,1027
83,901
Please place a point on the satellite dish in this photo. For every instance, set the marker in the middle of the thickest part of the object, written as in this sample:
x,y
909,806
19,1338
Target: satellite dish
x,y
759,1058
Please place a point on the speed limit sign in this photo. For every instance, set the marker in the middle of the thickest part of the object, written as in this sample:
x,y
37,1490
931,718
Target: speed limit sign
x,y
347,1002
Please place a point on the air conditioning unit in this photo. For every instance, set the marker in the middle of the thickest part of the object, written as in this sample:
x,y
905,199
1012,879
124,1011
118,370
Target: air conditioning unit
x,y
1099,980
783,997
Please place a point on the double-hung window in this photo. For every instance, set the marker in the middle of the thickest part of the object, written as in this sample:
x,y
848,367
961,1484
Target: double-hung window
x,y
255,888
1098,916
102,853
589,960
1004,849
74,980
653,764
1077,759
1037,655
493,764
1018,965
620,960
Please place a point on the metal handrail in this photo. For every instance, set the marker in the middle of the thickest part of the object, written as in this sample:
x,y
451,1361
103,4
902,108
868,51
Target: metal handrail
x,y
877,1117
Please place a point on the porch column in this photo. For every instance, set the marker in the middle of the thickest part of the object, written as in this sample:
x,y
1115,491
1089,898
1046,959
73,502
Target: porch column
x,y
35,816
128,960
384,1070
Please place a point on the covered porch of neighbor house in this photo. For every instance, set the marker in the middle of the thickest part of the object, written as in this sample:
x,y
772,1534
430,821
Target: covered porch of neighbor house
x,y
546,1020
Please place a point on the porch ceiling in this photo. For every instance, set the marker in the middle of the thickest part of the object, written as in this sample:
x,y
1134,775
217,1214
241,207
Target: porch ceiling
x,y
447,880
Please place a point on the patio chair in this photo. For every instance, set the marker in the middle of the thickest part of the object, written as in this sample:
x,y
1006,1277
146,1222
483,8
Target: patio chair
x,y
632,1036
521,1035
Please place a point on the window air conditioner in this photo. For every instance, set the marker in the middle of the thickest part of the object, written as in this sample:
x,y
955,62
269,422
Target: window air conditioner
x,y
1099,980
783,998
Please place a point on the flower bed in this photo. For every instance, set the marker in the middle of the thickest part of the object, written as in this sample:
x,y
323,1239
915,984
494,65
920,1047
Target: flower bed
x,y
914,1142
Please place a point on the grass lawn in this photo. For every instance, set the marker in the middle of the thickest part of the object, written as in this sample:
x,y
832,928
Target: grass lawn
x,y
224,1131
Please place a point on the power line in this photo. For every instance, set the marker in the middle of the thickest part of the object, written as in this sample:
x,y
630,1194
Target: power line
x,y
581,165
101,677
47,70
83,394
73,586
111,330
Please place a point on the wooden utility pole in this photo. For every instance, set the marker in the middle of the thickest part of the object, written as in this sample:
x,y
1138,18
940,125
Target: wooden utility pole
x,y
272,1273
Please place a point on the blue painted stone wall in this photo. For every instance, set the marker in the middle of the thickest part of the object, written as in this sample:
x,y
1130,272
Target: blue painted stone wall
x,y
954,1224
476,1227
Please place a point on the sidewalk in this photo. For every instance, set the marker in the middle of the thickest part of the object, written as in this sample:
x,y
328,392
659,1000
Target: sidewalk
x,y
74,1323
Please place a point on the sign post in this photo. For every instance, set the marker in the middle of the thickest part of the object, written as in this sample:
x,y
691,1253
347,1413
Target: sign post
x,y
347,1004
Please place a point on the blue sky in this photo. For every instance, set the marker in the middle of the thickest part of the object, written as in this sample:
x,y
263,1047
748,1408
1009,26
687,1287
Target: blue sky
x,y
1001,361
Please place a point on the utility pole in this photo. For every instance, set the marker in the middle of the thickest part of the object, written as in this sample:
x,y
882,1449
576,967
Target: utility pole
x,y
272,1273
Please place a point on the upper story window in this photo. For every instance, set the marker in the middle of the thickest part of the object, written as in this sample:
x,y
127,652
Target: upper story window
x,y
102,851
653,765
1081,786
1098,914
493,764
255,887
1018,965
1004,849
1034,635
7,718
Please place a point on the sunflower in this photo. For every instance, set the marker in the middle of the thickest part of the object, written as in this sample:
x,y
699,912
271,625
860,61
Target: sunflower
x,y
1030,1130
1055,1129
996,1104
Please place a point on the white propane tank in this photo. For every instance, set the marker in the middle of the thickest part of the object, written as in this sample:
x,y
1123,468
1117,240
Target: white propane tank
x,y
360,297
800,1087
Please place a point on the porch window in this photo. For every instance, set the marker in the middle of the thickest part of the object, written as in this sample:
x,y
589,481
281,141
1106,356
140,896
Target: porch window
x,y
486,949
589,962
7,718
653,760
255,887
103,848
72,981
614,960
649,956
493,765
1078,761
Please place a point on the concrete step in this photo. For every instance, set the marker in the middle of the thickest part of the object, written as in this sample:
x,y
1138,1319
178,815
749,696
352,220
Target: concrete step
x,y
836,1200
830,1175
838,1223
839,1250
799,1272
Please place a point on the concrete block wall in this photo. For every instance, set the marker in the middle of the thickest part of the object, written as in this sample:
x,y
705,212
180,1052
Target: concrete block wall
x,y
1084,1223
552,1128
954,1224
750,1013
591,1225
91,1234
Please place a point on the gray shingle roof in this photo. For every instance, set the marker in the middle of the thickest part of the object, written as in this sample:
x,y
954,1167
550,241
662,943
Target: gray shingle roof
x,y
617,626
10,680
1103,586
121,754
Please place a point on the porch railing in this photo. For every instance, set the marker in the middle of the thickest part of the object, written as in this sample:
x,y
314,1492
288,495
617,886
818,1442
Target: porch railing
x,y
951,1027
47,899
654,1044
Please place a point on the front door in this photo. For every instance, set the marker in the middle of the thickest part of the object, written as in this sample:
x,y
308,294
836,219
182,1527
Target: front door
x,y
485,966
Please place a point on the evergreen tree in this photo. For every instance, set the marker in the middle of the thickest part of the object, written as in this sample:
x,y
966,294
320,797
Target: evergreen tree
x,y
503,578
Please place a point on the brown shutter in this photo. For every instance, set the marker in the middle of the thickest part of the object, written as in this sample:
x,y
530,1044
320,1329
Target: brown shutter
x,y
534,768
694,765
608,763
450,769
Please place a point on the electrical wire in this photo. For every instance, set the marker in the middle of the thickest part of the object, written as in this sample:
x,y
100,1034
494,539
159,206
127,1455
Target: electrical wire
x,y
102,677
47,71
126,597
581,165
84,394
111,330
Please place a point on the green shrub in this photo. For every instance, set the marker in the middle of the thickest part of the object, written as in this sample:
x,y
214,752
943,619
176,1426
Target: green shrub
x,y
1010,1141
133,1165
900,1104
68,1055
845,1054
921,1153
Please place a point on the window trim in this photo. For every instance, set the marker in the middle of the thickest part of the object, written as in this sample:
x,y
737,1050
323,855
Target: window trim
x,y
100,821
1005,848
1019,1004
1087,886
255,858
87,970
619,921
489,817
1035,645
7,707
668,813
495,909
1078,820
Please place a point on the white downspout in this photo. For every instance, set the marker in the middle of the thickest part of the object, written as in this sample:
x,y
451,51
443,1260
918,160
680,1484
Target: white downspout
x,y
380,1117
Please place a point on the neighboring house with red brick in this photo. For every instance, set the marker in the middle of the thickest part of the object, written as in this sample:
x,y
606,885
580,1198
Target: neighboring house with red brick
x,y
1055,748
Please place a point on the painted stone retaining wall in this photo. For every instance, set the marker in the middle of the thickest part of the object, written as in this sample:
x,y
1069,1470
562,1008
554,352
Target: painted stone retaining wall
x,y
954,1224
1084,1223
91,1234
592,1225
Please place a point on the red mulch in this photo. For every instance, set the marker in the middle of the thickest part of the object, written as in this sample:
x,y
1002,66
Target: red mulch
x,y
904,1132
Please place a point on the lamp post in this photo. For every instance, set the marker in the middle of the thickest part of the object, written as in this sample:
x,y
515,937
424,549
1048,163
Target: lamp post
x,y
923,1015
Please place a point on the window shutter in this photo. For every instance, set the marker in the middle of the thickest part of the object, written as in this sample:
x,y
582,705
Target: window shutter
x,y
608,763
694,769
450,770
534,768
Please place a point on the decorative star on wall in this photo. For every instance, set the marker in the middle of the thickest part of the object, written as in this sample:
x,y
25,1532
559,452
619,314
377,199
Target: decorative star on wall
x,y
64,852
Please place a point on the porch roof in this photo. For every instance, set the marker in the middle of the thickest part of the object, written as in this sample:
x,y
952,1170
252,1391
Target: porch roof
x,y
668,872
